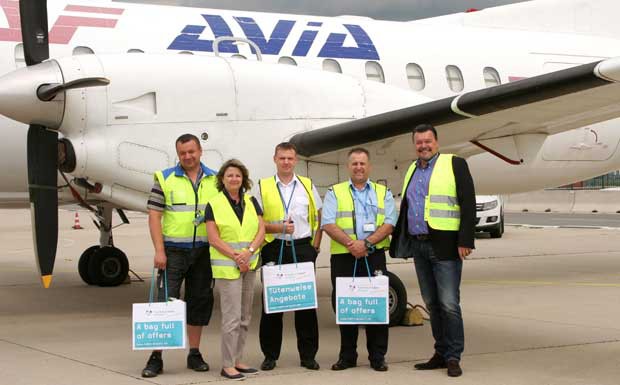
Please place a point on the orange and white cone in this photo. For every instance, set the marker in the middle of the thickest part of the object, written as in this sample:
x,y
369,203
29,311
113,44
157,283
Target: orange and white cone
x,y
76,222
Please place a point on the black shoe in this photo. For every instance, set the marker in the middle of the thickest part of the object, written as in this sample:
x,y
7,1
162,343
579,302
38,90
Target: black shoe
x,y
310,364
154,366
436,362
195,362
247,370
379,366
268,364
238,376
454,369
342,365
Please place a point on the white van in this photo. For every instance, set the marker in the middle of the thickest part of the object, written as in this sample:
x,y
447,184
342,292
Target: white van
x,y
490,215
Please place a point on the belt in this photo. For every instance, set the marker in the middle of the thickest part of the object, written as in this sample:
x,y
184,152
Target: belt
x,y
300,241
422,237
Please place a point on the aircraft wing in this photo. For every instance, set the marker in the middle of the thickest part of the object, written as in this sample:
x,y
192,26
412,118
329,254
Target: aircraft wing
x,y
545,104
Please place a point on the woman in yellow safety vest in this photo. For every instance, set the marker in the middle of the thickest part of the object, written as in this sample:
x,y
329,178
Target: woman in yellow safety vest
x,y
236,230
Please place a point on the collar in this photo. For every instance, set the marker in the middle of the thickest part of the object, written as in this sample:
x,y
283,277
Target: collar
x,y
366,187
430,163
281,183
206,171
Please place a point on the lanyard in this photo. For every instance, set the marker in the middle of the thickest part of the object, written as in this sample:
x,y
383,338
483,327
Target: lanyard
x,y
287,205
363,202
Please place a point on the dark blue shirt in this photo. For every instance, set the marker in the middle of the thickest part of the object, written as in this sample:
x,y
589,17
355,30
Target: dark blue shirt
x,y
416,194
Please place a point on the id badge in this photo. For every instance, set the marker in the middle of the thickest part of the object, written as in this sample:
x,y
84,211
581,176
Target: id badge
x,y
369,227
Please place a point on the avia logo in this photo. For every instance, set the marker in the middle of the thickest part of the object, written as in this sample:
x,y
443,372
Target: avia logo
x,y
333,47
65,26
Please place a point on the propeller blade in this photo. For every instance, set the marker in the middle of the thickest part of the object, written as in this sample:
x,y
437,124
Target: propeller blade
x,y
47,92
33,14
42,148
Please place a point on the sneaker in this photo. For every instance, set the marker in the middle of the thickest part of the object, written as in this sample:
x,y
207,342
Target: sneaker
x,y
195,362
154,366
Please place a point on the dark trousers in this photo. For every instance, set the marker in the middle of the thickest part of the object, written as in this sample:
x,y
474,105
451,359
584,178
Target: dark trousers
x,y
192,266
440,282
376,335
306,322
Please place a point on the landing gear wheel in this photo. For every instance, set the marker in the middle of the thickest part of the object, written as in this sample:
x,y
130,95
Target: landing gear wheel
x,y
108,266
83,264
397,296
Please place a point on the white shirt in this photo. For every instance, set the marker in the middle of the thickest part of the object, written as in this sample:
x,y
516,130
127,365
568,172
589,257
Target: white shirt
x,y
298,209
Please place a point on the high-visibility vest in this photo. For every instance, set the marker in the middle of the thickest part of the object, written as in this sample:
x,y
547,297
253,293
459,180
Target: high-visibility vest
x,y
183,205
441,207
345,214
237,235
273,207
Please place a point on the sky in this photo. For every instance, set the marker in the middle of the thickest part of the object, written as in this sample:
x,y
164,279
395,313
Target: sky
x,y
385,10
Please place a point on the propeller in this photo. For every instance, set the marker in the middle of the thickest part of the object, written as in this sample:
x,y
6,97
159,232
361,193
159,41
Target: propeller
x,y
42,148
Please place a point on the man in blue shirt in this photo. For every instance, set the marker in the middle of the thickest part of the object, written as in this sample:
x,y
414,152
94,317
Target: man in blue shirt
x,y
359,216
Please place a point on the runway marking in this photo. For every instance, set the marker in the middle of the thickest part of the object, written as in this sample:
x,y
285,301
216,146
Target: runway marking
x,y
540,283
581,227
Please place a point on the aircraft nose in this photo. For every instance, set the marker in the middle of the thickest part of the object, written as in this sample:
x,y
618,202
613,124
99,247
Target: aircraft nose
x,y
19,100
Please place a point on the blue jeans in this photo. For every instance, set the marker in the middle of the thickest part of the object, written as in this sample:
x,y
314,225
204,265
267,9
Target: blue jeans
x,y
440,282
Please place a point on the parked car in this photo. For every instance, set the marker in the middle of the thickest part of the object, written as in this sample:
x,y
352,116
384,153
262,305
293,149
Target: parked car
x,y
490,215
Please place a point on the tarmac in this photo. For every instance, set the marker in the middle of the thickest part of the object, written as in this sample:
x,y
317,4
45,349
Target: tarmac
x,y
540,306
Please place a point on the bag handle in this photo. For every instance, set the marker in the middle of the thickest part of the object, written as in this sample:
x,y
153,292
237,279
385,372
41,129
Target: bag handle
x,y
151,292
367,268
282,250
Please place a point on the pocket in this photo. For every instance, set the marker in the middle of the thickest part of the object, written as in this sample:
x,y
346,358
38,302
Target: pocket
x,y
178,197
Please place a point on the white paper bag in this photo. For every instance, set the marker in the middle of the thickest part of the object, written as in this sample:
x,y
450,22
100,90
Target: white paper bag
x,y
159,325
362,300
289,287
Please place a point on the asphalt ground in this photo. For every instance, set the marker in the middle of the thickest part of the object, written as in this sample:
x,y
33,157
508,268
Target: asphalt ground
x,y
540,306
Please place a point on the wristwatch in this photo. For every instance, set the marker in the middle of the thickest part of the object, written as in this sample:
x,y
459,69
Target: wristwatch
x,y
251,249
369,246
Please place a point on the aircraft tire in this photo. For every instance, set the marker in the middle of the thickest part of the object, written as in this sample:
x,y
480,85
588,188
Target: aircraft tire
x,y
84,262
108,266
397,299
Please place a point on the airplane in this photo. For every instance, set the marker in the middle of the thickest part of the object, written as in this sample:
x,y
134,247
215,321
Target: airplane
x,y
527,92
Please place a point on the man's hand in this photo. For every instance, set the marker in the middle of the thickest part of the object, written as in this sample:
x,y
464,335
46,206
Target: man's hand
x,y
289,226
160,260
464,252
357,248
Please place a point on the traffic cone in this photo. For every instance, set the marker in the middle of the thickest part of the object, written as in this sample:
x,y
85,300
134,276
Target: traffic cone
x,y
76,222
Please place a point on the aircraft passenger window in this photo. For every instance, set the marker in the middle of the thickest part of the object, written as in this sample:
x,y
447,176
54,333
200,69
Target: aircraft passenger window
x,y
81,50
491,77
237,56
20,61
287,60
135,50
374,72
331,65
186,53
415,75
454,76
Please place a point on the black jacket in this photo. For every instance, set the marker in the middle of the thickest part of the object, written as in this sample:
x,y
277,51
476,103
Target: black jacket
x,y
445,243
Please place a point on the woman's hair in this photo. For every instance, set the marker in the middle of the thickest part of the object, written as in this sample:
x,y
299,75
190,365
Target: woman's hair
x,y
246,184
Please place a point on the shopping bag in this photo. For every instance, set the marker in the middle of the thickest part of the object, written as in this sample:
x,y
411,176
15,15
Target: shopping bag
x,y
289,287
362,300
159,325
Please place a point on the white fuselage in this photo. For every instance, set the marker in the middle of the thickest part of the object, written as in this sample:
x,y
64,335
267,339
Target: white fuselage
x,y
396,53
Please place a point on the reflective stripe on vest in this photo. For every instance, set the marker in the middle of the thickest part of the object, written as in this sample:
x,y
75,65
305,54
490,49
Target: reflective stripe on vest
x,y
181,207
273,208
237,235
441,208
345,214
